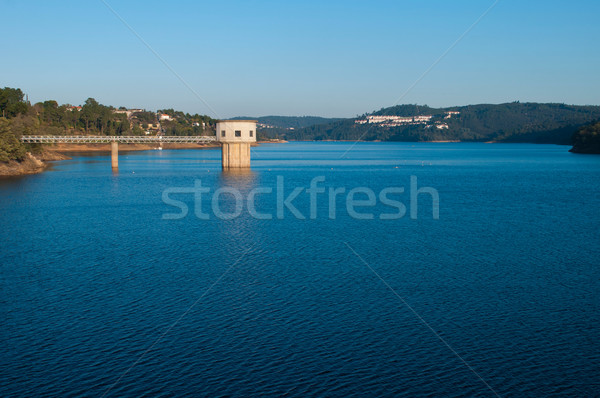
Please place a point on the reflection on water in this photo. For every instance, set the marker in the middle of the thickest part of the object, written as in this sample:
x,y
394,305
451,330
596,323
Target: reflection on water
x,y
240,230
242,179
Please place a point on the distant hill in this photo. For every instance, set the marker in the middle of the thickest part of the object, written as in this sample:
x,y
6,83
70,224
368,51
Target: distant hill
x,y
273,126
587,139
510,122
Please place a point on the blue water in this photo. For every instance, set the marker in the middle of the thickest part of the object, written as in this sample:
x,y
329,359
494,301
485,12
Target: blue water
x,y
102,296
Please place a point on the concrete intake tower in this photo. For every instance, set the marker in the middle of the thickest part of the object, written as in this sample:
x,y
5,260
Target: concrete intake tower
x,y
235,137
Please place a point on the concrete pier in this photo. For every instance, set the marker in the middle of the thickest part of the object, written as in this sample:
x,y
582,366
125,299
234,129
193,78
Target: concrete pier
x,y
236,137
235,155
114,154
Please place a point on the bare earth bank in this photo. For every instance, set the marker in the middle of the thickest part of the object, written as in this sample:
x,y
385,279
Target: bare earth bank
x,y
32,164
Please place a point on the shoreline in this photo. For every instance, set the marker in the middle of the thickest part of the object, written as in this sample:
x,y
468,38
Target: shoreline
x,y
32,164
37,163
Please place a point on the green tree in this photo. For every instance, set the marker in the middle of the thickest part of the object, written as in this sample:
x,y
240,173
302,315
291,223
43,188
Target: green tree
x,y
51,113
10,146
587,139
11,102
90,112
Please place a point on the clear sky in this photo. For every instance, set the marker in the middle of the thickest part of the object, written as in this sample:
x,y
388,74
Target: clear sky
x,y
324,58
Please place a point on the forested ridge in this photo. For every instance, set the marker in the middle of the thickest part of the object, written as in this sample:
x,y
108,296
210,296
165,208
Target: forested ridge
x,y
19,117
510,122
587,139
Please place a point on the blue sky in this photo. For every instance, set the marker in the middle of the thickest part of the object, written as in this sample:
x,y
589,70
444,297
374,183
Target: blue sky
x,y
325,58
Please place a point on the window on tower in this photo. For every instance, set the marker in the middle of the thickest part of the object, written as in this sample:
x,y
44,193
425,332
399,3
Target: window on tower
x,y
238,133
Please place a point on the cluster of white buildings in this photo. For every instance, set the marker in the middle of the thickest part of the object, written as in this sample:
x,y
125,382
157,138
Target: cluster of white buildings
x,y
128,112
392,121
268,126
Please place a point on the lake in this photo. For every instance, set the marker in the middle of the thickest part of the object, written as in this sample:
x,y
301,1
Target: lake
x,y
140,283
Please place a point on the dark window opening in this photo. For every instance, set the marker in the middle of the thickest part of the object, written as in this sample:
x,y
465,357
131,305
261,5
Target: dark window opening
x,y
251,133
238,133
222,133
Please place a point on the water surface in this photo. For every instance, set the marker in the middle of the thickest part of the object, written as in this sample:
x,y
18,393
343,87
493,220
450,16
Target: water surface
x,y
96,288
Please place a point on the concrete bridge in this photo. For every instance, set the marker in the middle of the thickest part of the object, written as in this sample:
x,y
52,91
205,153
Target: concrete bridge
x,y
235,137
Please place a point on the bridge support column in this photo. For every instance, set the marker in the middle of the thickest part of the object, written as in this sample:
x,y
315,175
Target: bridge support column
x,y
114,154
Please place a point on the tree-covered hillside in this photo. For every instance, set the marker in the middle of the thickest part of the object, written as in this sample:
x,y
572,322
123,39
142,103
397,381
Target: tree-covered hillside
x,y
587,139
287,122
510,122
18,117
12,109
276,126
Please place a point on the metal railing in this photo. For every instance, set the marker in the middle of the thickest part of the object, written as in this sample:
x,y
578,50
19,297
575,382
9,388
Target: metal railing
x,y
87,139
